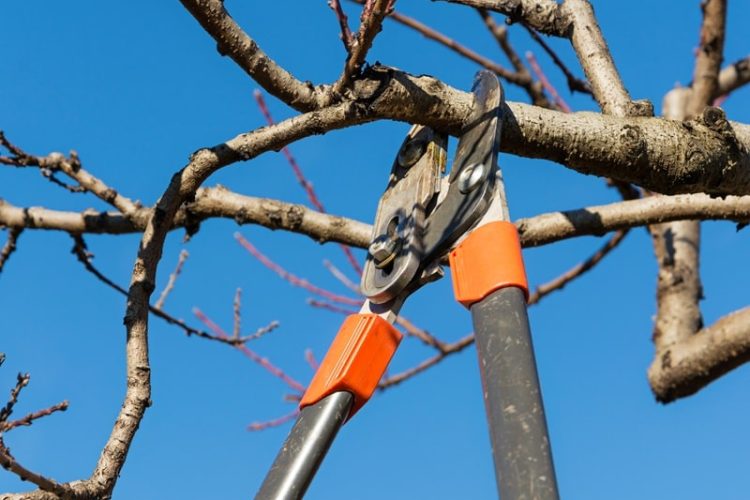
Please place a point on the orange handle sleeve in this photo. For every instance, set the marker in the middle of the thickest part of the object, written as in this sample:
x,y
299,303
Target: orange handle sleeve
x,y
356,360
487,260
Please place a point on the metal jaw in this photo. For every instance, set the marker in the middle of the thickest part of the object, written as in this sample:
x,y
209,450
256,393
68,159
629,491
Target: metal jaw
x,y
421,216
396,252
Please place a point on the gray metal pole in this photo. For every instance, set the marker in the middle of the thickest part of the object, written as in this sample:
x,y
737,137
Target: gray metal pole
x,y
305,448
518,430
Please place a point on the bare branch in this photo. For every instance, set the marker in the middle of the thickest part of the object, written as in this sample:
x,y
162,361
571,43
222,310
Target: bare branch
x,y
70,166
596,60
420,333
22,380
574,83
734,76
8,462
10,245
371,22
347,38
546,16
259,426
249,353
172,279
291,278
31,417
598,220
559,283
710,55
559,101
535,231
516,78
236,307
85,257
303,181
342,278
449,349
687,366
710,155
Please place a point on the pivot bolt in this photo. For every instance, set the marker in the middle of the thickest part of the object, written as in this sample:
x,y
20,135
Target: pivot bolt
x,y
470,177
383,250
412,150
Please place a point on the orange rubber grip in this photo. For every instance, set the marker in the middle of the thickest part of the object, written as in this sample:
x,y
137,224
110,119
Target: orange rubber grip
x,y
487,260
356,360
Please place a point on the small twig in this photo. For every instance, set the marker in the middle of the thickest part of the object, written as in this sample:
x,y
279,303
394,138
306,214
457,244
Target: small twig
x,y
371,22
259,426
426,337
172,279
249,353
236,306
575,84
29,419
260,332
339,275
84,257
291,278
462,50
310,358
559,283
450,349
70,166
10,245
322,304
559,101
302,179
346,34
22,380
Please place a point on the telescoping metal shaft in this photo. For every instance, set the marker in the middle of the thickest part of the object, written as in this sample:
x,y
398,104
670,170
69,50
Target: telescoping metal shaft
x,y
305,448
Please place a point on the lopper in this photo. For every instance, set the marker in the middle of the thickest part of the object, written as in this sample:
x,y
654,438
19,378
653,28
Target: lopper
x,y
421,217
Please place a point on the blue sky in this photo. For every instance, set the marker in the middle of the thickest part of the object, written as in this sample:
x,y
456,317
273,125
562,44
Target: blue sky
x,y
135,87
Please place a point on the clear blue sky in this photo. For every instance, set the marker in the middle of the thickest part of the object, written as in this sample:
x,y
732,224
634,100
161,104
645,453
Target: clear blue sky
x,y
135,87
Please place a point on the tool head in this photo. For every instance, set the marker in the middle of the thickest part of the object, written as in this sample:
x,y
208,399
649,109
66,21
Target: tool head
x,y
421,216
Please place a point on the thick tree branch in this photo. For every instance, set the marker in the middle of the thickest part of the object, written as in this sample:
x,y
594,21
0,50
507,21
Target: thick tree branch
x,y
710,55
706,155
546,16
539,230
596,60
686,367
677,249
734,76
677,244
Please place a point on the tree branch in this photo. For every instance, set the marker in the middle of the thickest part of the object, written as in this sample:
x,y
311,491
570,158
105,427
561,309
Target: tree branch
x,y
596,60
689,365
710,55
10,244
373,13
70,166
559,283
546,16
734,76
539,230
574,83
